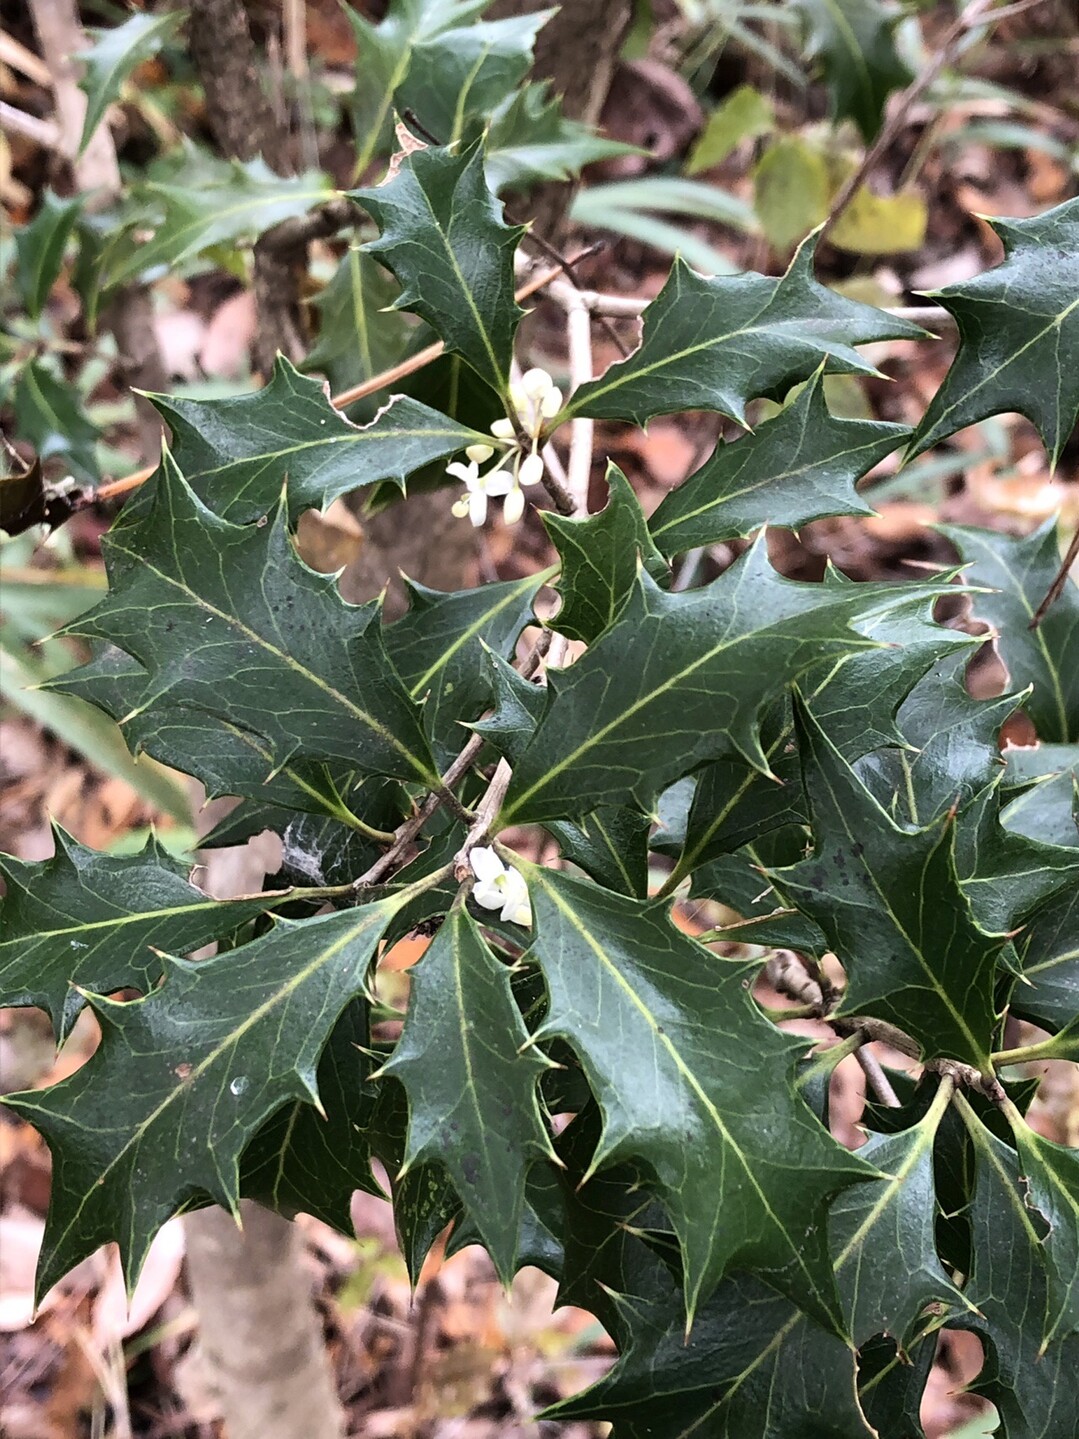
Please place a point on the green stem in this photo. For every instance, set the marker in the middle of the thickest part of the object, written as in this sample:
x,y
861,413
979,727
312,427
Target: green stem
x,y
353,821
332,891
796,1011
1059,1046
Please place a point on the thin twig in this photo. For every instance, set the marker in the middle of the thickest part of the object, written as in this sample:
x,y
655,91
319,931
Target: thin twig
x,y
876,1078
318,224
582,431
559,492
1056,589
902,106
486,811
413,121
19,122
877,1029
408,831
630,306
569,268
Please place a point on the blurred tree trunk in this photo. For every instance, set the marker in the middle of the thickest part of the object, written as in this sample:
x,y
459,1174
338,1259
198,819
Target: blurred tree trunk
x,y
577,51
260,1340
261,1355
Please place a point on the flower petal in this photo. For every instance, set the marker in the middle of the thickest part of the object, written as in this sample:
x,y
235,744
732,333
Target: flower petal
x,y
503,430
531,471
516,908
513,506
551,403
465,473
478,453
486,865
477,506
536,383
459,508
488,896
497,482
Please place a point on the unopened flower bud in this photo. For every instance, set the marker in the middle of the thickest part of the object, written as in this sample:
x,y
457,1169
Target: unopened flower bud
x,y
531,471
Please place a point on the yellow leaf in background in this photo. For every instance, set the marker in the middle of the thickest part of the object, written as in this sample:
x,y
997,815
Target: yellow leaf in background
x,y
791,191
743,115
881,224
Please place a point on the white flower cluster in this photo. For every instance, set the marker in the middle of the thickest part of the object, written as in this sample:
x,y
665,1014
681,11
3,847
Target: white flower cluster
x,y
536,399
497,887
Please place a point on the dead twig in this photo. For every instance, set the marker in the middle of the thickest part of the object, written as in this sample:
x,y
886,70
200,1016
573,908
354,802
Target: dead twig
x,y
971,15
1056,589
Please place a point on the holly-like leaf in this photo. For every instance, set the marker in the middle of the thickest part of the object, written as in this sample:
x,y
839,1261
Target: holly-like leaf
x,y
1050,956
1006,876
754,1368
303,1161
1018,335
39,249
599,557
183,1079
1034,1392
883,1236
529,140
751,1368
359,336
855,700
681,679
890,903
438,647
202,205
228,620
717,344
471,1083
611,845
114,55
52,420
444,238
1051,1174
237,452
952,752
854,42
84,920
226,758
1016,572
793,469
384,55
516,707
626,988
467,71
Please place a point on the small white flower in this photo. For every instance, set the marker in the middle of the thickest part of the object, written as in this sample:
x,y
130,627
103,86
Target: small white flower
x,y
536,398
500,888
479,489
503,430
